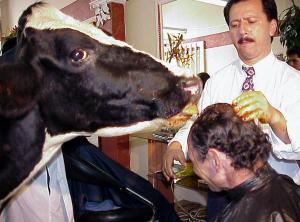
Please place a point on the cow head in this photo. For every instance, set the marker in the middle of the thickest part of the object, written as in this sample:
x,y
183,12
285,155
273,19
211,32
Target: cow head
x,y
68,78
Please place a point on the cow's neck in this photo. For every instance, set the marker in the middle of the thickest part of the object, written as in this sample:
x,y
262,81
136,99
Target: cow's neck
x,y
21,145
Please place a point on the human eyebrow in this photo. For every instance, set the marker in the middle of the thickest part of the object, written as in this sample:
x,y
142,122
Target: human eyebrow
x,y
252,18
234,23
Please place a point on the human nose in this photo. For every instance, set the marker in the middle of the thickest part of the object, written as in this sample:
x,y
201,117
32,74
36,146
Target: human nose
x,y
243,28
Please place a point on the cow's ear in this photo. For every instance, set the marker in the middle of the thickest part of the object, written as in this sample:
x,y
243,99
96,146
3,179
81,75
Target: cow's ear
x,y
19,87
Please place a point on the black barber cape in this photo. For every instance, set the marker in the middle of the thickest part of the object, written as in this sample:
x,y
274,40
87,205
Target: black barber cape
x,y
91,197
267,197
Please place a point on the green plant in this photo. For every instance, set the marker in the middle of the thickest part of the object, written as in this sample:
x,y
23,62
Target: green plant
x,y
183,57
289,26
12,33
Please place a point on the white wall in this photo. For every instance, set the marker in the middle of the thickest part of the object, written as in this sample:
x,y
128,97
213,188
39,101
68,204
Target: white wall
x,y
218,57
141,25
198,18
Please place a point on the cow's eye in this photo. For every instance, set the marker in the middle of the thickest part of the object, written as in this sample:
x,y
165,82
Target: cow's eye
x,y
78,55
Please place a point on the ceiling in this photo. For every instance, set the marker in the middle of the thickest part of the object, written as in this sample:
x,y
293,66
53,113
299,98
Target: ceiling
x,y
215,2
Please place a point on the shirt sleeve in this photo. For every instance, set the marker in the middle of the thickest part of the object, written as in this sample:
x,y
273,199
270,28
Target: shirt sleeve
x,y
182,135
289,151
282,150
290,108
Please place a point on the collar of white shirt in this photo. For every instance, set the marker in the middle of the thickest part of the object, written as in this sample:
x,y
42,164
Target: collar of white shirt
x,y
262,65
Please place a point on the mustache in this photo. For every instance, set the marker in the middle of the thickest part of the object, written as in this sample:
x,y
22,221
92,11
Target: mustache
x,y
245,39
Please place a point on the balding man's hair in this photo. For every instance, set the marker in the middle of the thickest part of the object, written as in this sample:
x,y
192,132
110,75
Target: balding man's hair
x,y
219,127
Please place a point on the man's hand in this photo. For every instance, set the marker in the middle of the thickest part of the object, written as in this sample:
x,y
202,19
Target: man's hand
x,y
253,105
174,152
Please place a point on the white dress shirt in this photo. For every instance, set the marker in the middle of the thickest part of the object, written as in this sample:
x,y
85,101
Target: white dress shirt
x,y
34,203
280,84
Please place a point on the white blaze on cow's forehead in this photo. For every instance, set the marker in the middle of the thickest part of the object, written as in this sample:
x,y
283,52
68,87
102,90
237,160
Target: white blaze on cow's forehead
x,y
47,17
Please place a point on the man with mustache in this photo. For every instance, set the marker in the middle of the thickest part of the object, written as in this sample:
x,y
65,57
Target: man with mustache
x,y
269,93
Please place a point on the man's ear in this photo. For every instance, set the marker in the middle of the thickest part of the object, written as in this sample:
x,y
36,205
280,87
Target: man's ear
x,y
216,158
19,88
273,28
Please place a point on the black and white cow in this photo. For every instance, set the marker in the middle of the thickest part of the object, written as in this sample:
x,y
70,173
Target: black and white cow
x,y
68,78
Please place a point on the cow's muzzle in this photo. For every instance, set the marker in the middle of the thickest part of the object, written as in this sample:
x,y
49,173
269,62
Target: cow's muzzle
x,y
194,86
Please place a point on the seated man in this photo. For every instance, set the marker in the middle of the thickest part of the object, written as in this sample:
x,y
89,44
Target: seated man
x,y
293,55
231,154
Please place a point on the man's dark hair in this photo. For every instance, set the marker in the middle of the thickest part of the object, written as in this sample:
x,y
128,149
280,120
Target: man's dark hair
x,y
269,7
293,51
219,127
204,77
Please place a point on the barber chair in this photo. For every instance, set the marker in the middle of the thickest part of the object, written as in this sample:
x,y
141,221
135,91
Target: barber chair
x,y
82,170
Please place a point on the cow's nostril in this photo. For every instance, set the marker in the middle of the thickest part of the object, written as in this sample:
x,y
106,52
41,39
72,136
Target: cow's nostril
x,y
192,85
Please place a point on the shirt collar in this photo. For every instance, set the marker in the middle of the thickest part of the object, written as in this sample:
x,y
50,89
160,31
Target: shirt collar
x,y
262,64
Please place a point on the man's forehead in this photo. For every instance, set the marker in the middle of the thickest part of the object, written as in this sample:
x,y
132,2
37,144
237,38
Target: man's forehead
x,y
248,8
293,57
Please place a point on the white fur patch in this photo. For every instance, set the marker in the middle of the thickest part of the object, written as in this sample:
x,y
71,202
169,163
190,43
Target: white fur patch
x,y
141,126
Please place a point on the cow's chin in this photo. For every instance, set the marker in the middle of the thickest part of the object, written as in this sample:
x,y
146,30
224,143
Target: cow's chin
x,y
178,120
174,122
146,126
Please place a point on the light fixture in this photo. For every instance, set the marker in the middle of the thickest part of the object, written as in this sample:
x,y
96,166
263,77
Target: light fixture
x,y
215,2
101,11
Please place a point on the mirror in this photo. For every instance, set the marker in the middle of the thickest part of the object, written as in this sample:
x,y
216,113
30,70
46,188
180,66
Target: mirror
x,y
204,31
